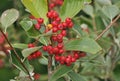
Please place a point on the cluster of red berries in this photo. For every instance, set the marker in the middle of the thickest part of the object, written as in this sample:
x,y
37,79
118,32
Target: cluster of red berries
x,y
59,30
54,3
70,58
39,22
34,55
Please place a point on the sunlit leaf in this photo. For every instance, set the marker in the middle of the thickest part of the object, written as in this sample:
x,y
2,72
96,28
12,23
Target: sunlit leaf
x,y
37,8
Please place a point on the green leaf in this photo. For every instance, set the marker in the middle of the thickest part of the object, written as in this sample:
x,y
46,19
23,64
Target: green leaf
x,y
85,44
61,72
104,2
37,8
9,17
26,24
105,43
87,1
70,8
44,40
116,73
20,45
76,77
33,33
88,9
16,62
26,52
110,11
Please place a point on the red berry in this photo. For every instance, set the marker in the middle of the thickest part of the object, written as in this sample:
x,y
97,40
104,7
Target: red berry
x,y
55,50
38,54
68,60
57,58
60,26
49,48
76,55
55,15
60,40
70,25
73,59
61,51
52,5
54,30
64,24
60,45
59,37
54,38
36,76
37,26
45,48
68,20
40,20
31,45
62,58
58,19
54,24
63,32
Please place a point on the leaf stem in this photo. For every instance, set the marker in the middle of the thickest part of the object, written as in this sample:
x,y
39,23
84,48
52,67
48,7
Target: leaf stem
x,y
19,59
107,28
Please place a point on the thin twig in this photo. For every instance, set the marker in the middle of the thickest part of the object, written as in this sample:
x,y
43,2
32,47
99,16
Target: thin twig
x,y
15,53
108,27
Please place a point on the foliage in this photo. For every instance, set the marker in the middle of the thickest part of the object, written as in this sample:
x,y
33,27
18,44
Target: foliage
x,y
95,37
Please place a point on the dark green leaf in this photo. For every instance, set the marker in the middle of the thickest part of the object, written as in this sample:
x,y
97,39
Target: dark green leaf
x,y
9,17
60,72
16,62
26,52
76,77
33,33
37,8
85,44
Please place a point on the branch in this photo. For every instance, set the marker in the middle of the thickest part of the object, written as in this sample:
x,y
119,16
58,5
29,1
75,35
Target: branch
x,y
19,59
108,27
50,56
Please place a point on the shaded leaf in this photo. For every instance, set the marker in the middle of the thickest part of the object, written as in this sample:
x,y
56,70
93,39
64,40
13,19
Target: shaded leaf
x,y
44,40
20,45
26,52
110,11
9,17
88,9
33,33
76,77
16,62
60,72
26,24
85,44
